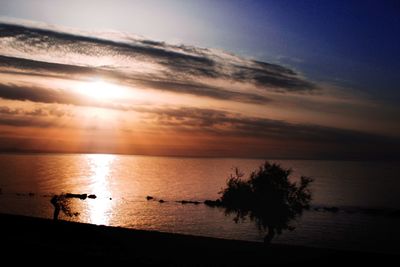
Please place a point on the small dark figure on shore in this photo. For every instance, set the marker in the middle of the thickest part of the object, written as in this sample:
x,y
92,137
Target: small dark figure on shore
x,y
269,236
62,203
57,207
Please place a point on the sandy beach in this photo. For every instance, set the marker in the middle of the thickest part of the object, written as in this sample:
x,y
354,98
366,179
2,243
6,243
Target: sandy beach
x,y
34,240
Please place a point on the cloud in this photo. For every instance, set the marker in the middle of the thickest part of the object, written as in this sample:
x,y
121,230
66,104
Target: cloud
x,y
56,70
9,111
177,68
260,136
304,140
38,94
272,75
37,111
219,123
205,90
25,122
230,123
53,96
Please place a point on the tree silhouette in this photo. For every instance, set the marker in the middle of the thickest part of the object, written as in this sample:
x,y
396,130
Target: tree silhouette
x,y
267,197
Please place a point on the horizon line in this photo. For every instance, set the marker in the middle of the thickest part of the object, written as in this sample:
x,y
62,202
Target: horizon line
x,y
266,158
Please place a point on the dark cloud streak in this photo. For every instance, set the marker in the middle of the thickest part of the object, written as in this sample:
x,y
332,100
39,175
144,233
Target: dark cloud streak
x,y
239,125
36,94
332,142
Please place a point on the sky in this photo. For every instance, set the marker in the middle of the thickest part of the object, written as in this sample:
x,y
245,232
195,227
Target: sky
x,y
275,79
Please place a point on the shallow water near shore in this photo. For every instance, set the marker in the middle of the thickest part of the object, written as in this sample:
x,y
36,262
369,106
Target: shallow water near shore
x,y
366,194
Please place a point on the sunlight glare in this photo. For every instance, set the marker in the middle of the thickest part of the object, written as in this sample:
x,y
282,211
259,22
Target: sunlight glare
x,y
100,207
101,90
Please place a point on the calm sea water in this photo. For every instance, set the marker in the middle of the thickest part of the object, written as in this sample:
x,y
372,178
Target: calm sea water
x,y
367,194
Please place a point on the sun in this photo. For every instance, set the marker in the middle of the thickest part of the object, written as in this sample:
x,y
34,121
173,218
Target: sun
x,y
102,90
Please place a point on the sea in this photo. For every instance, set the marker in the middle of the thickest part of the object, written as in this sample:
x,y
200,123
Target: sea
x,y
355,205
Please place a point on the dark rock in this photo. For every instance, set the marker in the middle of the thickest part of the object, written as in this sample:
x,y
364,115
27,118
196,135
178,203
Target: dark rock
x,y
92,196
31,194
189,202
351,211
80,196
331,209
149,197
161,201
374,212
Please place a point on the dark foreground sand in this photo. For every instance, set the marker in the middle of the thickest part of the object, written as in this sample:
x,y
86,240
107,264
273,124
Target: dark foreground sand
x,y
29,240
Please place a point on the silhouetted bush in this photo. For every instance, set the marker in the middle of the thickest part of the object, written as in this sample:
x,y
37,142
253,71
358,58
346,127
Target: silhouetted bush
x,y
267,197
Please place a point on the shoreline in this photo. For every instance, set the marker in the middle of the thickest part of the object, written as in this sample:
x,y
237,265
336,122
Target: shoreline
x,y
47,242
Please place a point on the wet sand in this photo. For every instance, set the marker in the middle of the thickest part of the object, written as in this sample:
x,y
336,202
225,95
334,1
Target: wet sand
x,y
27,240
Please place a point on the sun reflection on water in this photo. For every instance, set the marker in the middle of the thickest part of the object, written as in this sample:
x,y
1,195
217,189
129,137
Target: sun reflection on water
x,y
99,208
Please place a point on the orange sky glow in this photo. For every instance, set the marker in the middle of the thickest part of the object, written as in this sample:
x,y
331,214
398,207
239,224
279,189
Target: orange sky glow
x,y
65,91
